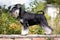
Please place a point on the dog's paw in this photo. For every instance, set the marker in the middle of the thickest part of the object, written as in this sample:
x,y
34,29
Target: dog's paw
x,y
24,34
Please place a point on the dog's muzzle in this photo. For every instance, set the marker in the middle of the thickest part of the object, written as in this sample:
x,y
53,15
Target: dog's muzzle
x,y
15,13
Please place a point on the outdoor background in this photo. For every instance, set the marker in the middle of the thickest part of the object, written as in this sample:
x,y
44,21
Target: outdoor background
x,y
10,25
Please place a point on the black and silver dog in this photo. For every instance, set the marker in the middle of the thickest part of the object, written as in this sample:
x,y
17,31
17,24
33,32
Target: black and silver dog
x,y
28,19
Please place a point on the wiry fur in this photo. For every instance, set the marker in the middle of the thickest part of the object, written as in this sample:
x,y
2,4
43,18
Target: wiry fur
x,y
28,19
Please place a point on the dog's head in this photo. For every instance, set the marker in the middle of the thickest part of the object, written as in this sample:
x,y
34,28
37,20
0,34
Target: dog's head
x,y
15,10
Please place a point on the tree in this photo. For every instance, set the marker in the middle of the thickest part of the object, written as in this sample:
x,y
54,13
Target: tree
x,y
51,1
54,2
36,6
4,10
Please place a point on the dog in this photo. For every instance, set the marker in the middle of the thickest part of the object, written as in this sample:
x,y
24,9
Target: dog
x,y
27,19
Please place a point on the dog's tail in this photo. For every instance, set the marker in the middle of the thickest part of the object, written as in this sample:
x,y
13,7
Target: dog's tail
x,y
41,11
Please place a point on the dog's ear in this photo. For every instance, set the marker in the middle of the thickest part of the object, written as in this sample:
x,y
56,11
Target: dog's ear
x,y
21,12
9,7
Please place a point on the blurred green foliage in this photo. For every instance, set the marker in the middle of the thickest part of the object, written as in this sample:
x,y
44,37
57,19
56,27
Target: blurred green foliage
x,y
9,25
57,24
36,6
47,17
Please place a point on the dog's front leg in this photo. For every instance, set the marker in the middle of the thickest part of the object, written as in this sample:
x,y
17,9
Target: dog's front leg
x,y
25,29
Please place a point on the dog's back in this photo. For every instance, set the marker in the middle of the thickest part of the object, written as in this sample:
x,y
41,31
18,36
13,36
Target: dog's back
x,y
28,19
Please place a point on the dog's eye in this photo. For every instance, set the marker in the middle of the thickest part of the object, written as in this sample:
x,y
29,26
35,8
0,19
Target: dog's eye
x,y
13,9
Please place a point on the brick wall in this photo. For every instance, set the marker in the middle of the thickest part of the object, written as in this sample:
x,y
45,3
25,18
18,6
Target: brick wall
x,y
29,37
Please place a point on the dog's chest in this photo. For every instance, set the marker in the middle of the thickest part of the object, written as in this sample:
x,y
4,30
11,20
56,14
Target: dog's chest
x,y
21,20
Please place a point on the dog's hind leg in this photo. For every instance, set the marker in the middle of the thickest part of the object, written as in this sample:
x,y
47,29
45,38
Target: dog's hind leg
x,y
48,30
45,26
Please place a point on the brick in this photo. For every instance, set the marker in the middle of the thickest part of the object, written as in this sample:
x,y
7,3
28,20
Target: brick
x,y
22,38
27,38
38,39
18,38
5,39
56,38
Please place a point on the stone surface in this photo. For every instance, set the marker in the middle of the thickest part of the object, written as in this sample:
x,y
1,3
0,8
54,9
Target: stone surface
x,y
38,39
56,38
5,39
22,38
